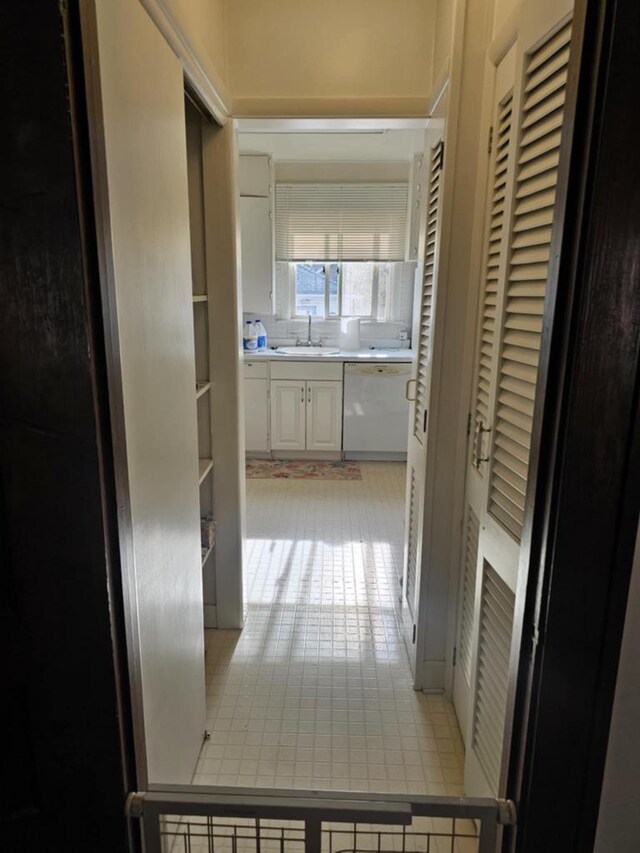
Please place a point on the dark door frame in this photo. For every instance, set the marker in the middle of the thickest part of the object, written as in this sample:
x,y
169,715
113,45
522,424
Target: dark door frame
x,y
67,761
584,499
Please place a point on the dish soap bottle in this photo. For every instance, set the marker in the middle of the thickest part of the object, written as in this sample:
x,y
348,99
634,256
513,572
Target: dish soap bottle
x,y
262,335
250,336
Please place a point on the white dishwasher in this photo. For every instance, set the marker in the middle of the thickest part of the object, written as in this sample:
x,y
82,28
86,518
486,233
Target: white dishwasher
x,y
376,412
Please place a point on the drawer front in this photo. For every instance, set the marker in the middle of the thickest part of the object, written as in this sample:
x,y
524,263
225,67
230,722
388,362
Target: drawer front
x,y
256,369
306,370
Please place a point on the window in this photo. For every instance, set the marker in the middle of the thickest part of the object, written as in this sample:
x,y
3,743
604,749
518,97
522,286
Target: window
x,y
348,289
316,290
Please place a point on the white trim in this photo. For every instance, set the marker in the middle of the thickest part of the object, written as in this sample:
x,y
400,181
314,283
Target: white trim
x,y
327,125
193,70
104,242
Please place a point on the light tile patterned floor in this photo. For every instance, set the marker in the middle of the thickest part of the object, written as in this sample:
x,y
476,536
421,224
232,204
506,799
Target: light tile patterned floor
x,y
315,692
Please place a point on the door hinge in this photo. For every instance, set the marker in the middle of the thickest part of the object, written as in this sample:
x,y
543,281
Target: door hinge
x,y
490,145
413,638
455,655
424,421
468,424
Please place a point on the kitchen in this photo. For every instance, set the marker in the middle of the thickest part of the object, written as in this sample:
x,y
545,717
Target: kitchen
x,y
330,228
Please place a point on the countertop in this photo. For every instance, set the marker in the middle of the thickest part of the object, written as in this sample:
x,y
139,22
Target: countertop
x,y
386,355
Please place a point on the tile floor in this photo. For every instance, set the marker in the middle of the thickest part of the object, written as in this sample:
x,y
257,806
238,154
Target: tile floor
x,y
316,692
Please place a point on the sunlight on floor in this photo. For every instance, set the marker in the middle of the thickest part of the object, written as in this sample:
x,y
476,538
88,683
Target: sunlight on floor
x,y
316,692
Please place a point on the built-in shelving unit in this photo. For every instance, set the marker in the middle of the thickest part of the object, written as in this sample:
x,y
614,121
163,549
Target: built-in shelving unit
x,y
201,326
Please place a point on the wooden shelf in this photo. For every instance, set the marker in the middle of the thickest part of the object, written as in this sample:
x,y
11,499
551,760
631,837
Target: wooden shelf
x,y
200,297
205,465
202,388
207,554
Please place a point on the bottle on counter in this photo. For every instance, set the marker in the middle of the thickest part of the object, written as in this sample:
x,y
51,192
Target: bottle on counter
x,y
262,334
250,336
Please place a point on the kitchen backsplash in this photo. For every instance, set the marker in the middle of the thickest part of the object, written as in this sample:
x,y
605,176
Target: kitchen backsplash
x,y
283,330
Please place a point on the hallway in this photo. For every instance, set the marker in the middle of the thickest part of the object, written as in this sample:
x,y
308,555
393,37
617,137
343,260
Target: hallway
x,y
315,692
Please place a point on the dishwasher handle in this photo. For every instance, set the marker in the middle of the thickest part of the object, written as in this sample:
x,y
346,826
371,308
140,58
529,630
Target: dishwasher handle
x,y
406,390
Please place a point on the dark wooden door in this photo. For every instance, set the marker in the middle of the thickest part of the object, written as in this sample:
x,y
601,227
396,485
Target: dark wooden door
x,y
63,775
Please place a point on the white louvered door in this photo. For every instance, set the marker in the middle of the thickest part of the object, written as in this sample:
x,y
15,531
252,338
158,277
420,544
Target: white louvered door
x,y
497,210
529,107
418,418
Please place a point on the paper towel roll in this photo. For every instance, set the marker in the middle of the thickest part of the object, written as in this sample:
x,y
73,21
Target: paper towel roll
x,y
350,334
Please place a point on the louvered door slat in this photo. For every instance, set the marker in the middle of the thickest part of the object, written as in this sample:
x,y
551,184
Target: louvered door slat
x,y
494,643
426,307
530,242
493,249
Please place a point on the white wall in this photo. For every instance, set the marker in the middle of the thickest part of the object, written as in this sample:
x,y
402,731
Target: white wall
x,y
443,35
619,818
137,123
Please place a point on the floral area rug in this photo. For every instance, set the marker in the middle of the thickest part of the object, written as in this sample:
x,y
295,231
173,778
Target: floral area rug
x,y
276,469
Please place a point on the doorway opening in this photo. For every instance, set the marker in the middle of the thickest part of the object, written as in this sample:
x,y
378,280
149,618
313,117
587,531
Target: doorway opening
x,y
317,689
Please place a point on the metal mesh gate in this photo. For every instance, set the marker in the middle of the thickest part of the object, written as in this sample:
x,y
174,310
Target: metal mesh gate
x,y
208,821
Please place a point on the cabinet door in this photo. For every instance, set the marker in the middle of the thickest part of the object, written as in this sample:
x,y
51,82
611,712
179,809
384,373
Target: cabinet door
x,y
324,415
288,414
256,415
257,255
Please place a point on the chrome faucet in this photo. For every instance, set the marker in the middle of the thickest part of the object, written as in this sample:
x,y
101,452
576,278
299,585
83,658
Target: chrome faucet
x,y
309,342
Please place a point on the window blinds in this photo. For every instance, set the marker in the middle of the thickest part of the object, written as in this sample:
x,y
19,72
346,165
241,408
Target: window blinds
x,y
343,222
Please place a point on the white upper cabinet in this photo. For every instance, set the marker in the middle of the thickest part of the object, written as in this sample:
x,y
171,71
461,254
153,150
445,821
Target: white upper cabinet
x,y
254,175
256,230
256,254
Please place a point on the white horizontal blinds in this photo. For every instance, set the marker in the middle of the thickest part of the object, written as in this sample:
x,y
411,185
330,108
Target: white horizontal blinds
x,y
536,177
412,541
426,308
503,130
341,222
494,644
468,595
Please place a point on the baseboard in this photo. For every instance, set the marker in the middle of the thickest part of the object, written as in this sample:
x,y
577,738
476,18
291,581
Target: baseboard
x,y
373,456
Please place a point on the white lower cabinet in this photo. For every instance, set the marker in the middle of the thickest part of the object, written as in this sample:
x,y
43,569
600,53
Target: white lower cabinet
x,y
306,414
324,415
288,414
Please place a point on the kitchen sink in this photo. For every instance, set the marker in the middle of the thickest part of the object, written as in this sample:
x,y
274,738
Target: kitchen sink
x,y
302,351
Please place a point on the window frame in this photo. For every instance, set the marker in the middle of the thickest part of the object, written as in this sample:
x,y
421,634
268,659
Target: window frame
x,y
373,316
